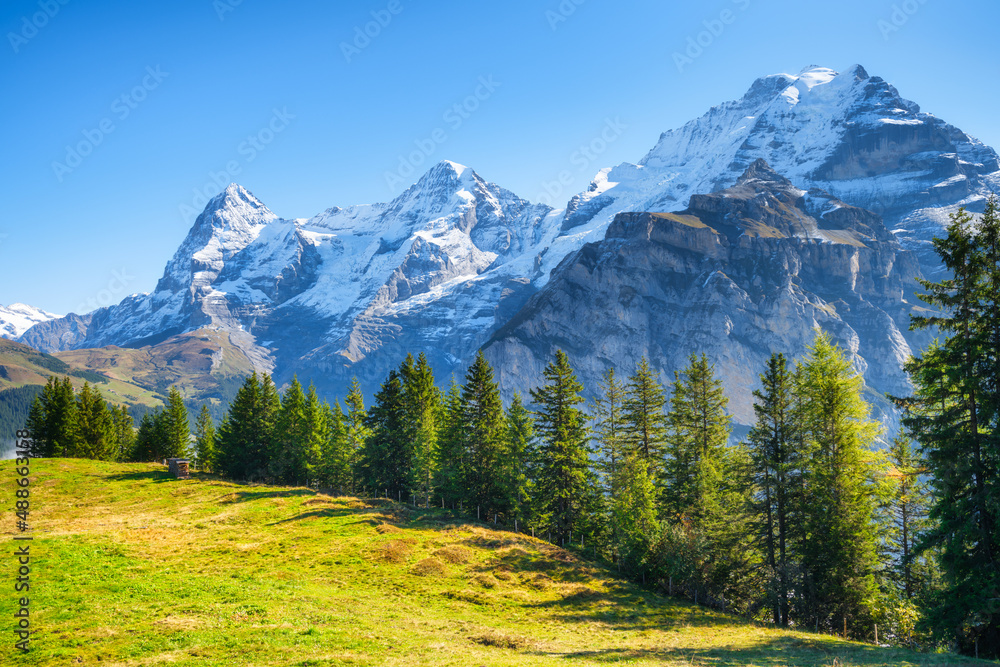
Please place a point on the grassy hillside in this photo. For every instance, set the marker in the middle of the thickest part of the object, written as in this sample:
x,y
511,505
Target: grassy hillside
x,y
134,568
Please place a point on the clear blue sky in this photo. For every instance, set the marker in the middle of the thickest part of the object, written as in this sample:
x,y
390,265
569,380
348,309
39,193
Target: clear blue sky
x,y
196,86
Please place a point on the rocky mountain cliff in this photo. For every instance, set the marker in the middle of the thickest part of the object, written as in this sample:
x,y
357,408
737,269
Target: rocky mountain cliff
x,y
752,269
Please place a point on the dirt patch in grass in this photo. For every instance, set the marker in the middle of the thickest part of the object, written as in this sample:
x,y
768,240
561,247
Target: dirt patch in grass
x,y
429,567
384,528
485,580
395,551
501,640
454,554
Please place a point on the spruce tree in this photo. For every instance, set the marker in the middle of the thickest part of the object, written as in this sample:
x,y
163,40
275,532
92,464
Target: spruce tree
x,y
338,458
696,441
955,416
775,465
204,430
290,456
385,457
451,449
92,435
355,430
643,413
633,511
611,434
178,431
246,434
518,465
123,433
563,462
423,407
317,428
485,439
840,556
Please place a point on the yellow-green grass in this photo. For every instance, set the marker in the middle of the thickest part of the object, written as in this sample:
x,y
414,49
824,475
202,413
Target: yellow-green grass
x,y
131,567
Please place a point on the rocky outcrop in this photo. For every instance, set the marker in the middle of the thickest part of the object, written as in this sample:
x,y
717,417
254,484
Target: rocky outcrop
x,y
740,273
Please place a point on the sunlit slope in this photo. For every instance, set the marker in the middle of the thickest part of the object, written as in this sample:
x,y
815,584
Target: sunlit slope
x,y
134,568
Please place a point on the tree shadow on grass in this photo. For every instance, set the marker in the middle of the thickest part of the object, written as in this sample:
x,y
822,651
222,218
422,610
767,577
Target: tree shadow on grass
x,y
151,475
246,496
776,652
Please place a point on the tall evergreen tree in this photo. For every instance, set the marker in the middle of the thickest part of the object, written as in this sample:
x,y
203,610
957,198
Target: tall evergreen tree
x,y
955,416
644,415
611,434
317,428
423,407
355,430
178,430
386,456
563,463
840,556
204,431
518,464
775,465
246,434
52,419
92,435
698,431
123,433
633,511
290,451
338,457
484,431
451,451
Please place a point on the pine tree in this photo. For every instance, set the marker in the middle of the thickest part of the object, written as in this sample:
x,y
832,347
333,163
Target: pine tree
x,y
246,434
485,438
775,466
92,435
385,457
955,416
908,514
317,428
610,431
178,431
840,556
122,433
338,458
451,449
645,419
698,431
518,465
355,430
290,456
204,431
563,464
633,511
423,406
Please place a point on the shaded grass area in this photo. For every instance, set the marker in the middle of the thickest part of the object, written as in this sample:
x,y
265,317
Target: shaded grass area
x,y
134,568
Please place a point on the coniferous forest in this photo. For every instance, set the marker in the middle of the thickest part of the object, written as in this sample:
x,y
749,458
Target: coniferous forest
x,y
816,520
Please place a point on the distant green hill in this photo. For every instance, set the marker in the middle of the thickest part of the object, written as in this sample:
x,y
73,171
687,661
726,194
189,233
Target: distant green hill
x,y
134,568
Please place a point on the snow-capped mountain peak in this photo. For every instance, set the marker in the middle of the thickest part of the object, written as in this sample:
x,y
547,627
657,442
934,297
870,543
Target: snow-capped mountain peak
x,y
17,318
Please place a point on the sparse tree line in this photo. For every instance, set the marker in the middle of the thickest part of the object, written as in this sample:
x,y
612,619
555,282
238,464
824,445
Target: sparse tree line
x,y
810,522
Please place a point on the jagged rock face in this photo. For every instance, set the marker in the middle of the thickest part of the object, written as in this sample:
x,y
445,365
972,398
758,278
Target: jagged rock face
x,y
848,133
740,273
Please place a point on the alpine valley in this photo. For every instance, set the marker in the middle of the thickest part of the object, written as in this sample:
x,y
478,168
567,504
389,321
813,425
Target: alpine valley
x,y
809,202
